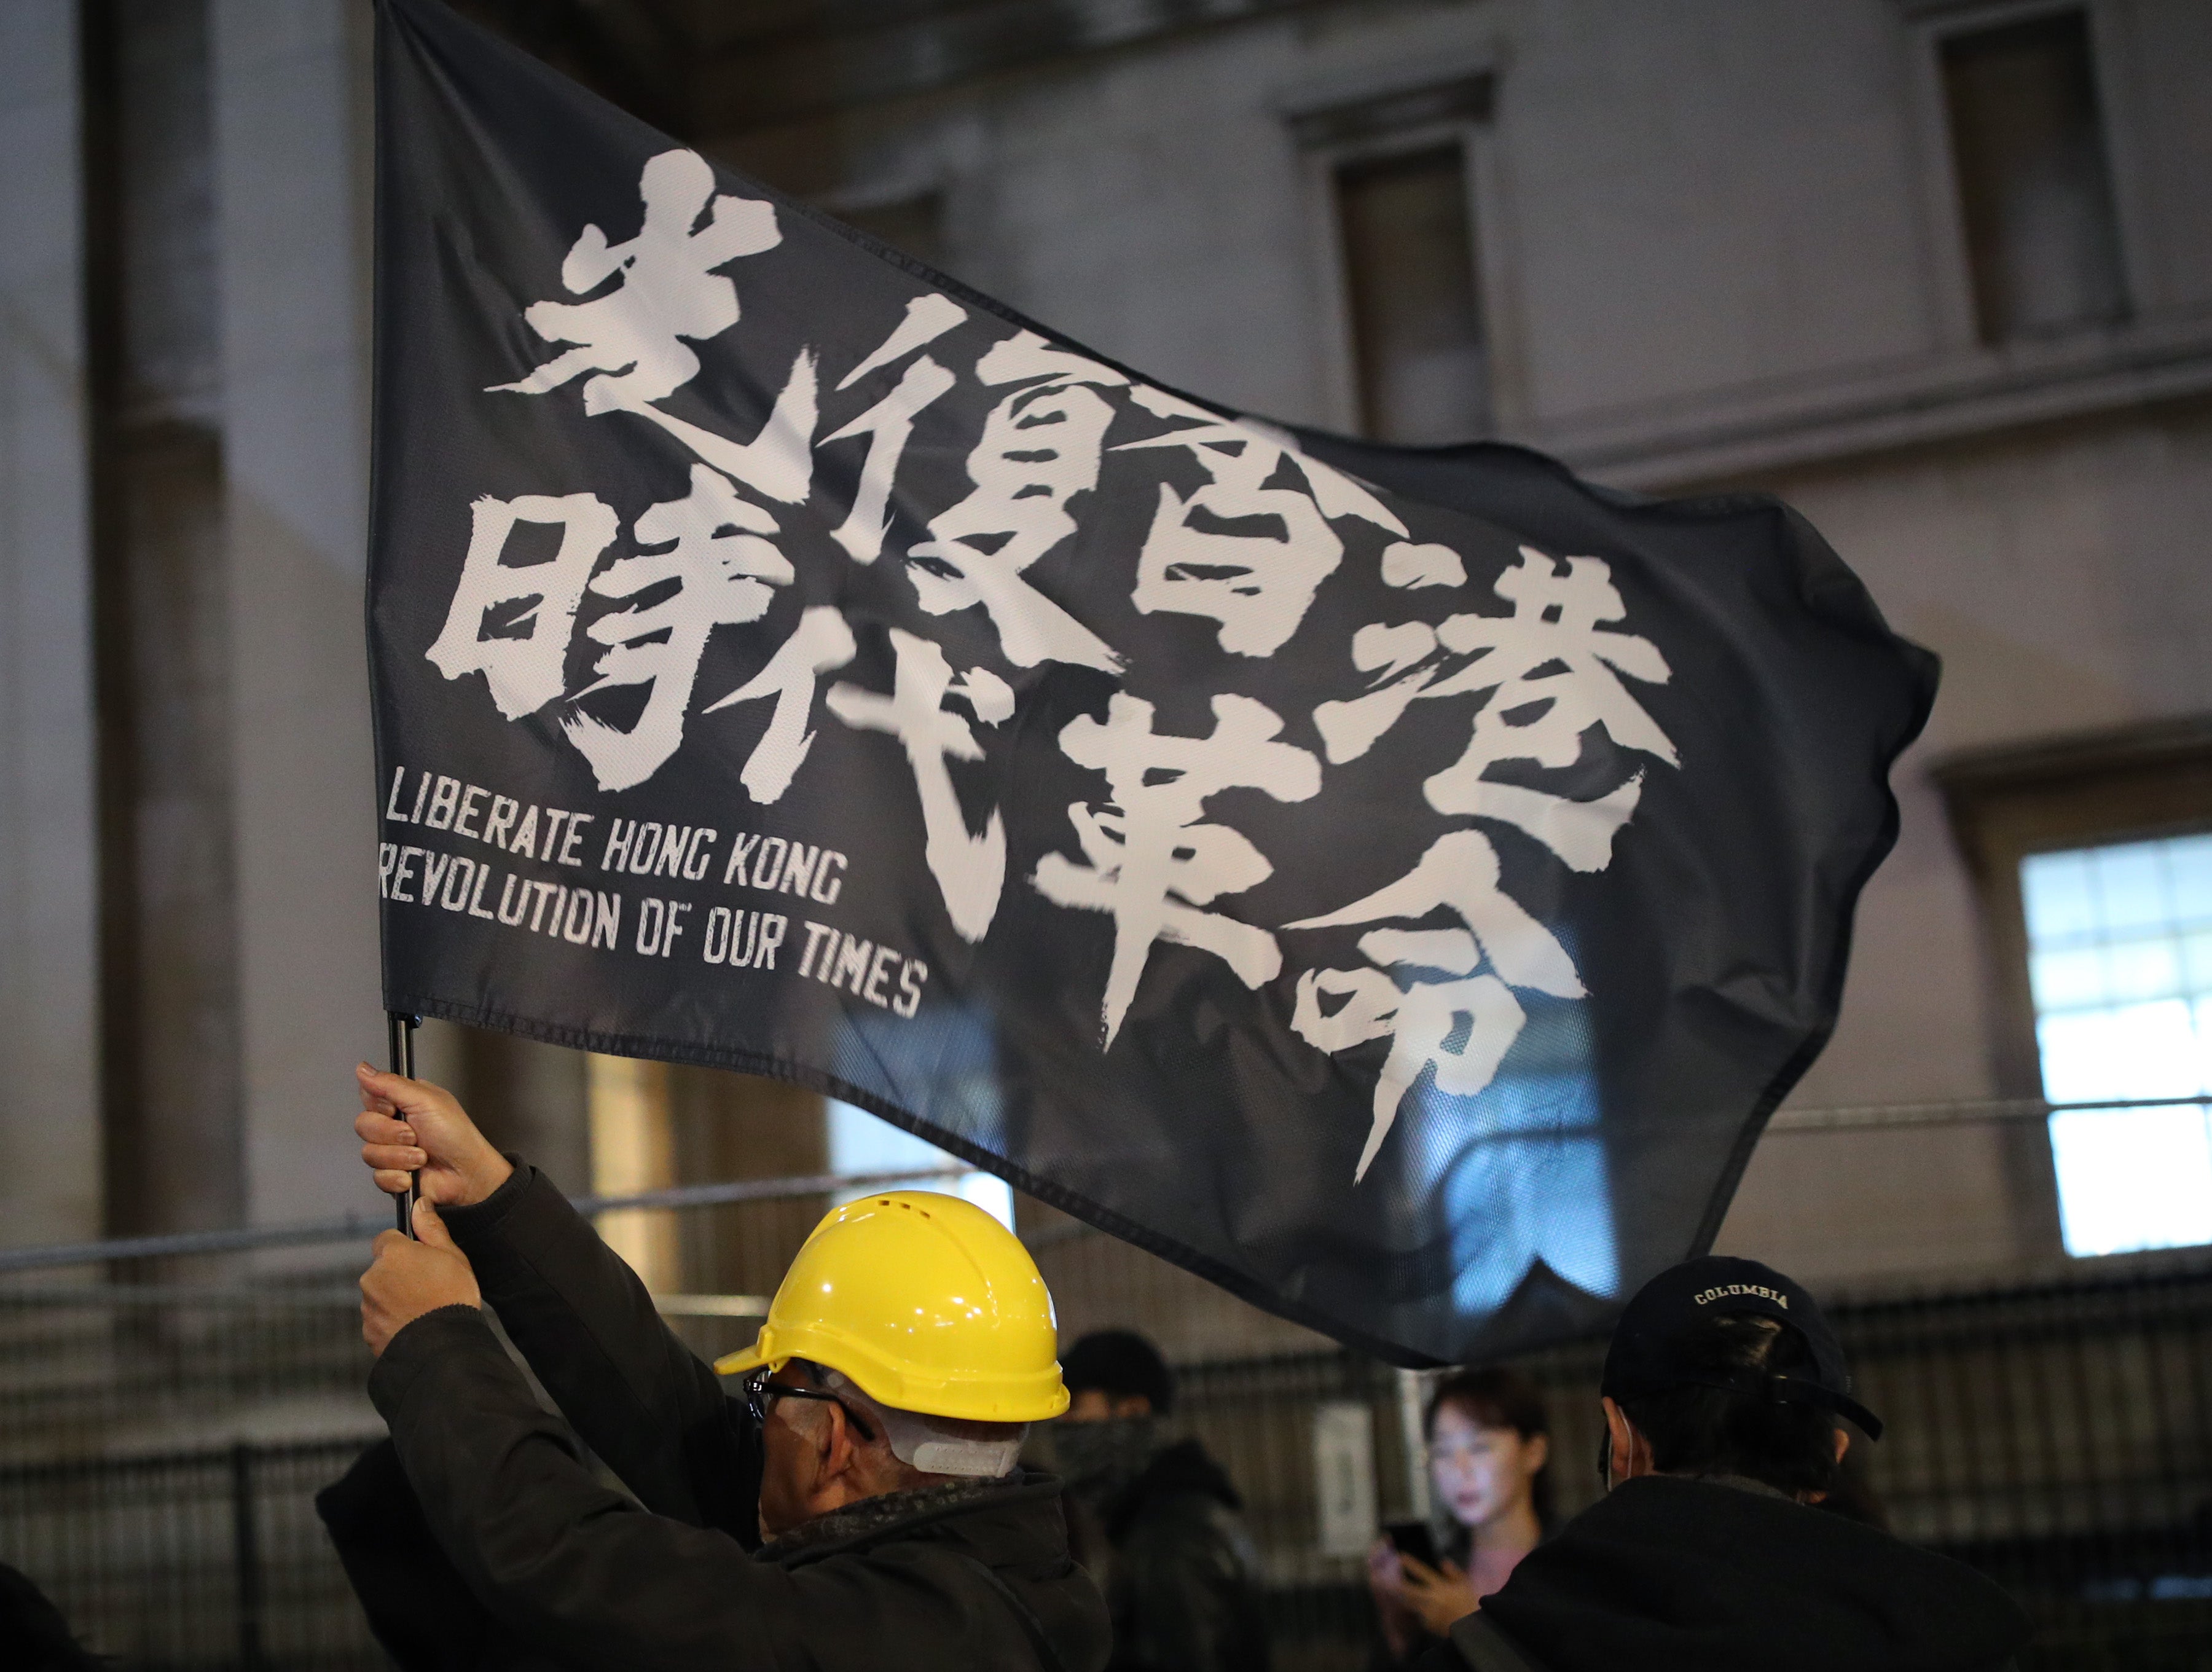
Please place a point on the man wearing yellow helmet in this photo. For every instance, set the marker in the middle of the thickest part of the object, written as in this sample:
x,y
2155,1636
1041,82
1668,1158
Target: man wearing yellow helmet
x,y
858,1506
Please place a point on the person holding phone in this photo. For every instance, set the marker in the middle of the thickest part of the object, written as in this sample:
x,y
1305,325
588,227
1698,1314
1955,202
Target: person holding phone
x,y
1489,1445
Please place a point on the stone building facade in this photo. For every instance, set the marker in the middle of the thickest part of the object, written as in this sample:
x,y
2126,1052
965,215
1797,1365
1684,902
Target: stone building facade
x,y
1937,271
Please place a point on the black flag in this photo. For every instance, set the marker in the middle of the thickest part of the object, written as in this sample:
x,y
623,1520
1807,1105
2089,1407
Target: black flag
x,y
1395,885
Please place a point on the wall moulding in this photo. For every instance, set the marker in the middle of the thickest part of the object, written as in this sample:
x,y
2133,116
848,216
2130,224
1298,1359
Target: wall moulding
x,y
1357,103
1737,432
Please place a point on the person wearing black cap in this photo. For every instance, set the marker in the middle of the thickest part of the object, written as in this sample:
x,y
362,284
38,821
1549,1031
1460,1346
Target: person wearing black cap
x,y
1724,1393
1154,1521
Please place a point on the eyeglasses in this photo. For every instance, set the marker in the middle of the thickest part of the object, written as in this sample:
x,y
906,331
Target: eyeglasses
x,y
761,1394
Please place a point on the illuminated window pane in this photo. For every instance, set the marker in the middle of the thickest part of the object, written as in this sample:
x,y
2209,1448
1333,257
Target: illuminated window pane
x,y
2189,863
2133,1178
861,1143
2120,966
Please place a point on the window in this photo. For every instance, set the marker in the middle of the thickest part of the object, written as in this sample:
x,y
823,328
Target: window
x,y
2120,967
1409,277
2089,855
861,1143
2035,188
1402,159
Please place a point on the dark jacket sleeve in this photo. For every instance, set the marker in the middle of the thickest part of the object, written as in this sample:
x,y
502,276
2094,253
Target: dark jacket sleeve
x,y
570,1566
1478,1644
1191,1606
418,1606
33,1634
634,1393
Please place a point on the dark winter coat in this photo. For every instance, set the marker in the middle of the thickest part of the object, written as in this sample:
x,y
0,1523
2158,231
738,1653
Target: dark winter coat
x,y
33,1635
1180,1571
969,1575
1672,1575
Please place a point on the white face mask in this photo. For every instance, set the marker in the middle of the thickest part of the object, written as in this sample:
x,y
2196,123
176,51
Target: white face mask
x,y
937,1445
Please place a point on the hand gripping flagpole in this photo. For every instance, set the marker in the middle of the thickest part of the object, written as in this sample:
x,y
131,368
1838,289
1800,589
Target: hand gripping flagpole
x,y
399,1035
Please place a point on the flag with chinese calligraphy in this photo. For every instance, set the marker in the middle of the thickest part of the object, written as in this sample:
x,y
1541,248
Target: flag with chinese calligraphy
x,y
1394,885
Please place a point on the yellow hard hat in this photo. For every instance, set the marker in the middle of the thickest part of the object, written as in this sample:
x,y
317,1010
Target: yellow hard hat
x,y
926,1302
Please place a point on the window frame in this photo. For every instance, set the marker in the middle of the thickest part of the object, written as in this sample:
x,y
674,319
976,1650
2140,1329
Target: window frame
x,y
1343,123
1929,24
2136,783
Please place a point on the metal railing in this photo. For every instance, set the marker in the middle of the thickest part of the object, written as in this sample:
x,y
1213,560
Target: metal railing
x,y
360,1227
354,1227
192,1559
160,1441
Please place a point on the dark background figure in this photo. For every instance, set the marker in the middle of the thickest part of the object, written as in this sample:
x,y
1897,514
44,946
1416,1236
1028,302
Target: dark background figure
x,y
1490,1452
1155,1521
33,1635
1726,1395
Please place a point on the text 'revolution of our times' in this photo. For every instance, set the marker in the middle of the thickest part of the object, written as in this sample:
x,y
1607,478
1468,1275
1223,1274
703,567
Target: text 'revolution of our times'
x,y
584,893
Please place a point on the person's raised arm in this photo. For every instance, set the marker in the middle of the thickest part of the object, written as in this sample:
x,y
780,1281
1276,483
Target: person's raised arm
x,y
627,1383
410,1126
569,1567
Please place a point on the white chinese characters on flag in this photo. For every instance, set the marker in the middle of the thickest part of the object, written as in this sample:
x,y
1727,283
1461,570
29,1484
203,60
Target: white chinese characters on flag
x,y
1368,878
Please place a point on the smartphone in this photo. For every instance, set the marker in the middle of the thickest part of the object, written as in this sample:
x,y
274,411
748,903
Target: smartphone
x,y
1414,1539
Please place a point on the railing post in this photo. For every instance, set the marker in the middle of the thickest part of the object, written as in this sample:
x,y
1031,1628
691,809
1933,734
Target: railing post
x,y
245,1553
1413,1394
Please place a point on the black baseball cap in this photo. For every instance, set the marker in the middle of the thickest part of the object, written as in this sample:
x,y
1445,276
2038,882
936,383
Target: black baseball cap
x,y
1646,1356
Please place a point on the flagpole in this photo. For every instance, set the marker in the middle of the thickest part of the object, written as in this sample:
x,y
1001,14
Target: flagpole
x,y
399,1036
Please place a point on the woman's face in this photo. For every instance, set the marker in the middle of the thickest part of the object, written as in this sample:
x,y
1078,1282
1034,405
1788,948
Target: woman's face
x,y
1481,1472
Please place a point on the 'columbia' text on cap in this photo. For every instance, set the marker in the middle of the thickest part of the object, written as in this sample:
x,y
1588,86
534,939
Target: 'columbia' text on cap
x,y
1645,1357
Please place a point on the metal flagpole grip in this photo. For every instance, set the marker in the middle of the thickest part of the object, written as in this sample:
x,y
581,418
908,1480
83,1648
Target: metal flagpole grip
x,y
399,1035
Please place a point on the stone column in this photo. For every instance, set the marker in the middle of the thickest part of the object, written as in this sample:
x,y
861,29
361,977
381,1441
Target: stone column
x,y
50,1124
634,1149
294,137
